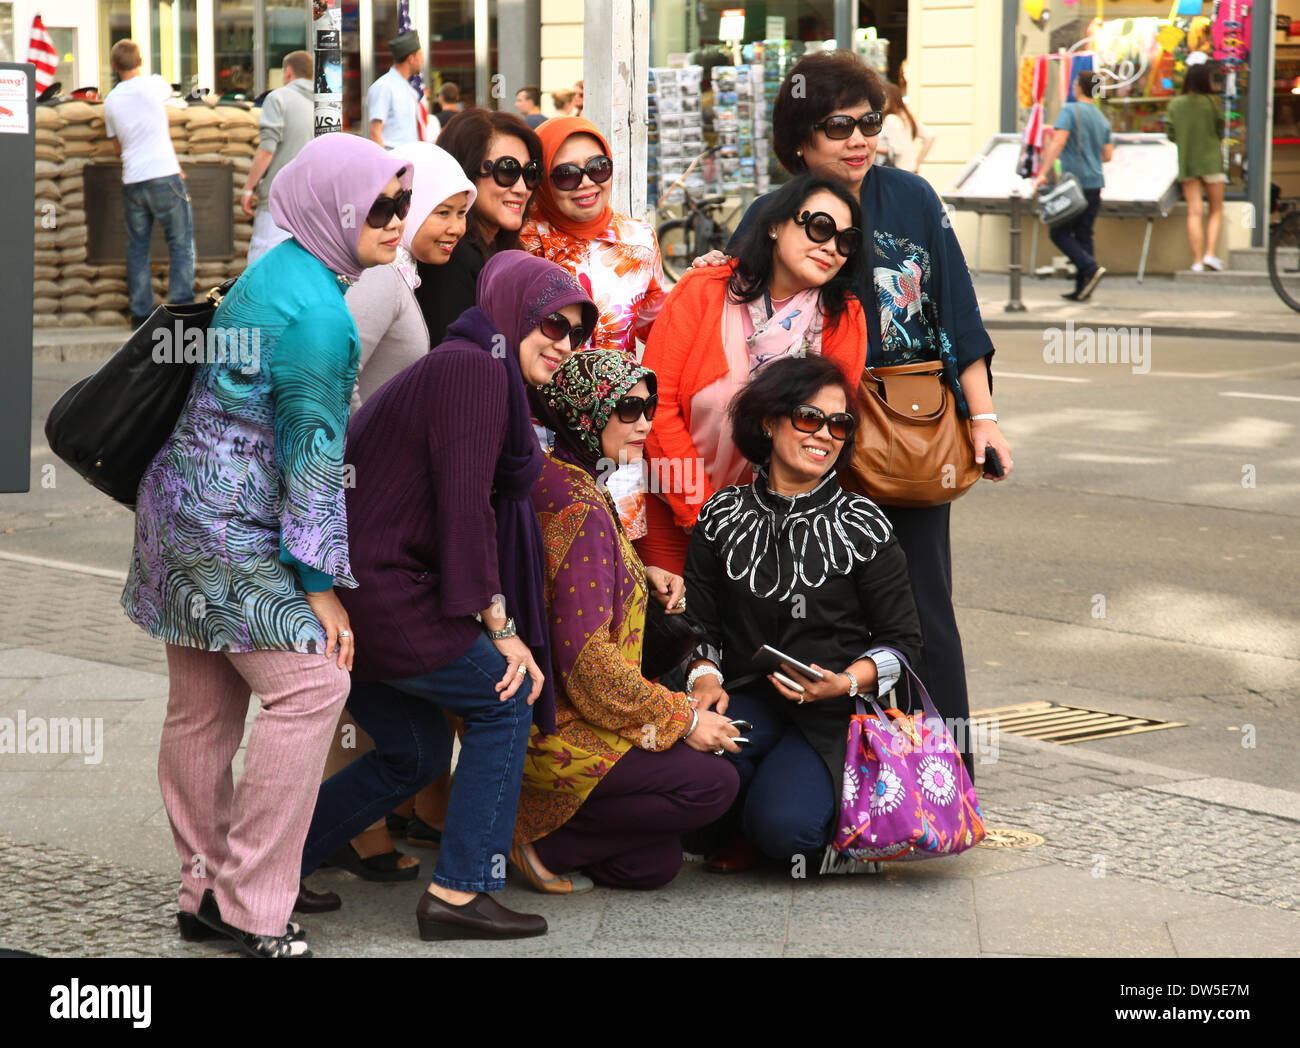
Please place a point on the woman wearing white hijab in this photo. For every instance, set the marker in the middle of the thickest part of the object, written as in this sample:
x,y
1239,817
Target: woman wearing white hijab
x,y
389,322
394,336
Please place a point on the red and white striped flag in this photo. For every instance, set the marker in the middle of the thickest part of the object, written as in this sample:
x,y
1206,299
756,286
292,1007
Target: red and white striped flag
x,y
41,53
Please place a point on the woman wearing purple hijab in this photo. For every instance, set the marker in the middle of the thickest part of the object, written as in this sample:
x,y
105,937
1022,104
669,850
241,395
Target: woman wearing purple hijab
x,y
241,536
448,553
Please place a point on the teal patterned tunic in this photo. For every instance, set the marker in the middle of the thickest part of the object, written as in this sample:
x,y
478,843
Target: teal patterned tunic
x,y
242,509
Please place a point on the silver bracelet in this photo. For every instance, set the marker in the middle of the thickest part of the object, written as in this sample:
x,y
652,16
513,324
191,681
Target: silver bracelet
x,y
695,721
701,671
989,416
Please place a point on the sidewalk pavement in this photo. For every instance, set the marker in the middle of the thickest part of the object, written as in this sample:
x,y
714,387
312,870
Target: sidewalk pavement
x,y
1135,860
1164,305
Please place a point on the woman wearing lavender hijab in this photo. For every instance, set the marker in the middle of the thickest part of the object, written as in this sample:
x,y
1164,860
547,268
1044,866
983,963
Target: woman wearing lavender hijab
x,y
241,536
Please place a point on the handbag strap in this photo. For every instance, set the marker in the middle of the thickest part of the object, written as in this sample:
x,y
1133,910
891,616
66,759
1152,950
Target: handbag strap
x,y
913,683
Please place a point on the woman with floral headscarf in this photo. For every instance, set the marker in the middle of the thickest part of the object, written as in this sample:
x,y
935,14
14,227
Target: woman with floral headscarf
x,y
630,764
241,536
448,554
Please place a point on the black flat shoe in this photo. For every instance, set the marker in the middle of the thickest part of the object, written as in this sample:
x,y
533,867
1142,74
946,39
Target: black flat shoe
x,y
480,918
419,834
376,867
272,946
396,825
194,930
309,901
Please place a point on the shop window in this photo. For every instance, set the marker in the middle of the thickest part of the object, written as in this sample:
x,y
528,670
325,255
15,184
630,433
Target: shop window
x,y
174,42
114,25
233,22
286,30
7,33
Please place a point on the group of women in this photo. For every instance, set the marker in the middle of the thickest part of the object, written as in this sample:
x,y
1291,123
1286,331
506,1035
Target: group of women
x,y
482,557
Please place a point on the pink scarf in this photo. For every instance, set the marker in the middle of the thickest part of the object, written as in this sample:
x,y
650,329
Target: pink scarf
x,y
793,330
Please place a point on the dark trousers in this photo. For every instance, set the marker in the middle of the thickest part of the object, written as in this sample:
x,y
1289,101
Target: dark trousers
x,y
787,803
924,536
413,747
1074,239
627,834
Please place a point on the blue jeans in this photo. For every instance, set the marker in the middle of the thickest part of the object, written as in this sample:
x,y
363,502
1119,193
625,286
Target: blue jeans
x,y
1074,239
413,747
787,803
166,200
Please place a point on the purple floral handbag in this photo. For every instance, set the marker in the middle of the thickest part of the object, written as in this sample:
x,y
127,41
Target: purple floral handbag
x,y
906,792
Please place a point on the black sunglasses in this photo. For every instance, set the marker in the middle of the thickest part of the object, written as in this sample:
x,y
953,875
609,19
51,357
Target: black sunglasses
x,y
569,176
819,227
629,409
506,171
808,419
556,326
842,126
383,209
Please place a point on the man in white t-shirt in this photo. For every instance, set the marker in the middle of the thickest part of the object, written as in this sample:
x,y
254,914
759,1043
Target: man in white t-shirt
x,y
397,112
152,184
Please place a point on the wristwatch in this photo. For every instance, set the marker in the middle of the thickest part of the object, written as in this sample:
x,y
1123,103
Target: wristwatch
x,y
506,631
989,416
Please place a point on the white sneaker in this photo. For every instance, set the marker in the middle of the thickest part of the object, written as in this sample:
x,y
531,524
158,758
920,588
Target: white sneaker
x,y
1213,262
1197,268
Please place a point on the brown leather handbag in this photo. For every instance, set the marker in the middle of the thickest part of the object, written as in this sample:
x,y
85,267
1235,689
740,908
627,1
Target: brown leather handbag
x,y
913,448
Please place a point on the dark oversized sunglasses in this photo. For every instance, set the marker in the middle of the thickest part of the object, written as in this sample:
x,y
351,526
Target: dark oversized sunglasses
x,y
842,126
629,409
506,171
808,419
819,227
382,210
556,326
569,176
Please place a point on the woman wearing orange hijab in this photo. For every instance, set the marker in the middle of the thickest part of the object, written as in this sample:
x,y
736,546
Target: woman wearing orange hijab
x,y
614,257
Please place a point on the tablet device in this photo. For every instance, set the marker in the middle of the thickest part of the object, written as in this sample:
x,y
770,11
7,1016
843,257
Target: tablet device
x,y
768,659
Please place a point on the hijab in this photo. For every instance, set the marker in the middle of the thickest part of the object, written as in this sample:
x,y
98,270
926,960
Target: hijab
x,y
322,196
583,395
437,176
515,291
553,134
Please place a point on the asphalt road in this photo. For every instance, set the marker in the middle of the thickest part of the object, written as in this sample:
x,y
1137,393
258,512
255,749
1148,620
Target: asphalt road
x,y
1144,558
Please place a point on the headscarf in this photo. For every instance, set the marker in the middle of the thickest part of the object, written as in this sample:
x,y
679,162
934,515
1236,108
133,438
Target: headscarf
x,y
582,397
438,176
515,291
322,196
553,134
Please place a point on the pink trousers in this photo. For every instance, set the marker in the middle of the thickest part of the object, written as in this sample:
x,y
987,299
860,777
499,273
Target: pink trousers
x,y
245,841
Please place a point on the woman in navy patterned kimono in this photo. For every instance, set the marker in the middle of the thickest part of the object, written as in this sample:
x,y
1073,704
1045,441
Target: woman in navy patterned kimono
x,y
241,535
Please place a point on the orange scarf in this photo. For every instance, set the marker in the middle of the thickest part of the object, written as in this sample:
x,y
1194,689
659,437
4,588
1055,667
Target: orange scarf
x,y
553,134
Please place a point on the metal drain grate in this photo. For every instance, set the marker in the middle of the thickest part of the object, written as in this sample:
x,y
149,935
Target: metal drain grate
x,y
1002,837
1066,724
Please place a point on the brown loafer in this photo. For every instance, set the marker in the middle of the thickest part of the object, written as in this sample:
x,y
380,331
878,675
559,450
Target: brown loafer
x,y
480,918
309,901
739,855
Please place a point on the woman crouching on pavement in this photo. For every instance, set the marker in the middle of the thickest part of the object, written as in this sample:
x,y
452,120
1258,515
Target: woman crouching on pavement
x,y
448,556
631,764
795,562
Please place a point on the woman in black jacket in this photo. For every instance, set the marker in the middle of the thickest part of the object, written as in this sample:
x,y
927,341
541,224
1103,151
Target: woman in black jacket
x,y
794,561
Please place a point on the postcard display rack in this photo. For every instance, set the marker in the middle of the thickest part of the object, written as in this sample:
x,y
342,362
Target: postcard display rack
x,y
676,132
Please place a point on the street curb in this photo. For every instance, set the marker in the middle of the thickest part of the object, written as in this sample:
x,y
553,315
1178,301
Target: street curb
x,y
1236,334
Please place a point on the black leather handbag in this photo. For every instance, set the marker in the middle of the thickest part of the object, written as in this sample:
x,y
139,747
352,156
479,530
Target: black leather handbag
x,y
668,640
110,425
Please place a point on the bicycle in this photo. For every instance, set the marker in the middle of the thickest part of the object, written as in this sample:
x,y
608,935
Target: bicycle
x,y
1284,259
697,232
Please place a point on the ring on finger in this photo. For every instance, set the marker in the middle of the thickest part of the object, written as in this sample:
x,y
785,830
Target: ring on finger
x,y
521,671
343,634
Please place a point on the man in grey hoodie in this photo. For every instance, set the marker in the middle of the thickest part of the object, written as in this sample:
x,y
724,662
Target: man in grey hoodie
x,y
287,124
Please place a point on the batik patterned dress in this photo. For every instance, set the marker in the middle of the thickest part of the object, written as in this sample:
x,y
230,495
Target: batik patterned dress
x,y
596,594
243,506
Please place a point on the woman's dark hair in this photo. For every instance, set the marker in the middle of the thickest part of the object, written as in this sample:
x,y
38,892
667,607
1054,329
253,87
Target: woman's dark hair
x,y
894,104
468,136
755,261
1199,80
777,390
817,86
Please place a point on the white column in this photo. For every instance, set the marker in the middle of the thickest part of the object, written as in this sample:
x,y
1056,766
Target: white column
x,y
207,43
615,48
140,33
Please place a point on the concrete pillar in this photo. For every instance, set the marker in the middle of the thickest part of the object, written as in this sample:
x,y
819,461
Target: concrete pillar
x,y
616,53
519,47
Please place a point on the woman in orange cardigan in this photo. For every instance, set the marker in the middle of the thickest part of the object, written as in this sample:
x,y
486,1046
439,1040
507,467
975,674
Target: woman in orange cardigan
x,y
787,294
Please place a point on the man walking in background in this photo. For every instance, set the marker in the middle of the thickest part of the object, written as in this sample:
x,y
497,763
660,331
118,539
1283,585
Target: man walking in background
x,y
287,124
528,100
152,183
1082,141
397,111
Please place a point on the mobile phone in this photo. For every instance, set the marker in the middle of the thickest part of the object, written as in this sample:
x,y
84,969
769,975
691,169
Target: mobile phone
x,y
993,462
792,685
769,659
743,725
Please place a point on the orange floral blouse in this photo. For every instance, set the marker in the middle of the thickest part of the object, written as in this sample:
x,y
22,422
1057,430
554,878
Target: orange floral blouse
x,y
596,596
620,270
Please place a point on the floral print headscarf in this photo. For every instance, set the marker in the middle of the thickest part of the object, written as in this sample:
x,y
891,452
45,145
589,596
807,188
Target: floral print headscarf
x,y
583,394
